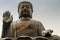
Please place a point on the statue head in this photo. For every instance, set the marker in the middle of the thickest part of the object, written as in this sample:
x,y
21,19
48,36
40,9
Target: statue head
x,y
25,9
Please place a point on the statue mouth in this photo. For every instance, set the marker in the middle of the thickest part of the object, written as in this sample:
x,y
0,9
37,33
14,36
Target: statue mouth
x,y
25,13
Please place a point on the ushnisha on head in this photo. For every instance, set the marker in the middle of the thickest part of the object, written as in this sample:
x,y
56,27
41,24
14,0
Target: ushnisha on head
x,y
25,9
47,33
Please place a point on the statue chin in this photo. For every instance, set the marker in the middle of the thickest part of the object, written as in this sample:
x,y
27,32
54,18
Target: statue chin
x,y
25,15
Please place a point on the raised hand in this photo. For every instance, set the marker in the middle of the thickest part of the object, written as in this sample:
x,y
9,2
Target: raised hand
x,y
7,17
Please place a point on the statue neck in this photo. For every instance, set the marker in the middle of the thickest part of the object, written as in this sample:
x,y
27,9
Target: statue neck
x,y
25,18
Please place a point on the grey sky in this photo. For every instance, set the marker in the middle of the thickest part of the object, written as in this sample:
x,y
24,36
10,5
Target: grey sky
x,y
46,11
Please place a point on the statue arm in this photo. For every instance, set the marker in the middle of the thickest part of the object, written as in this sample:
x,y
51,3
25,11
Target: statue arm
x,y
12,30
5,29
7,20
40,28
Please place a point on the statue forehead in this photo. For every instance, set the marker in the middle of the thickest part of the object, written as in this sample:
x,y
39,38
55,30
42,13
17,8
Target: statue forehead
x,y
24,4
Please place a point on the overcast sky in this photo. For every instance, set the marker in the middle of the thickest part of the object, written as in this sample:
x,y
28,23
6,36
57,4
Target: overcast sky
x,y
45,11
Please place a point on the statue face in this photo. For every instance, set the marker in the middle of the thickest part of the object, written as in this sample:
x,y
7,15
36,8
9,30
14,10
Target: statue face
x,y
25,10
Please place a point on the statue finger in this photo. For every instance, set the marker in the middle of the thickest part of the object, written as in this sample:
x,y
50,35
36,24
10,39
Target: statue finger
x,y
6,14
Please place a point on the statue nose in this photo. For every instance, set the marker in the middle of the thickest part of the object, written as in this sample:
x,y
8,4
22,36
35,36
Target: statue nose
x,y
24,9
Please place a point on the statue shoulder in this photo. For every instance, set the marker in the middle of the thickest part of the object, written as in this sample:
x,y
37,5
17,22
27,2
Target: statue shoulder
x,y
39,25
36,21
15,22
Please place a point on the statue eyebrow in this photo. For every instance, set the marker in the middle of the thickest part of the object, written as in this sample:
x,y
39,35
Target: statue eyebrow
x,y
24,5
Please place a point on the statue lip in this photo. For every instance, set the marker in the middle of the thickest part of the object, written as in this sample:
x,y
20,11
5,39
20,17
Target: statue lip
x,y
25,13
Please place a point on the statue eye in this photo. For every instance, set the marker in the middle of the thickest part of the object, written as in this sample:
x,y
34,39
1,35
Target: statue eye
x,y
27,6
22,7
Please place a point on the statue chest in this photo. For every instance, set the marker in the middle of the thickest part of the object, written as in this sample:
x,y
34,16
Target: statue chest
x,y
26,29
